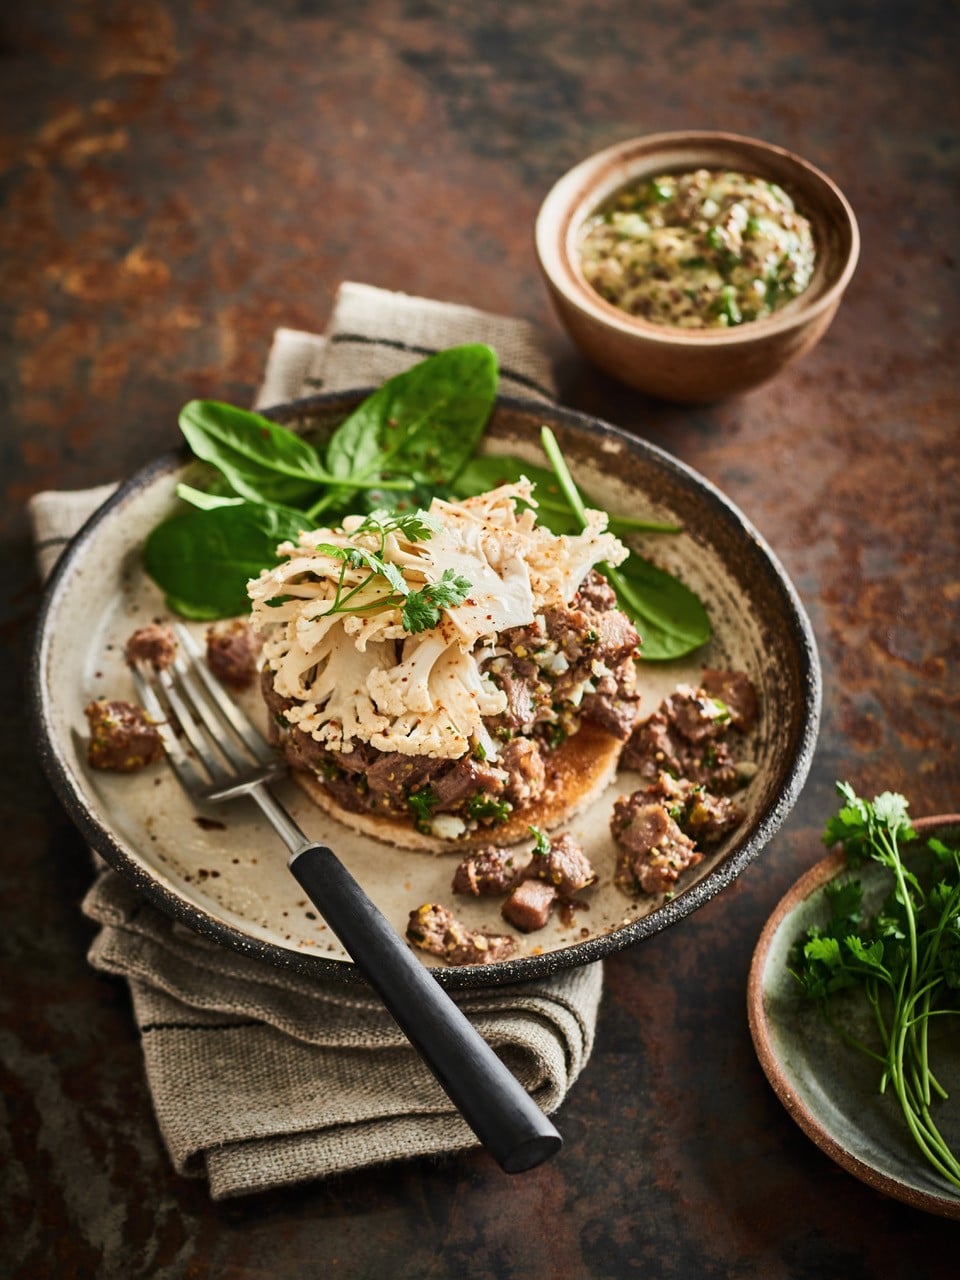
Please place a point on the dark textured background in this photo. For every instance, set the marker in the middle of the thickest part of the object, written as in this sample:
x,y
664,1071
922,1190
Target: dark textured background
x,y
180,178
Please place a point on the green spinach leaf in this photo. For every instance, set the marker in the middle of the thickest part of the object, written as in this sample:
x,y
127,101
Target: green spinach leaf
x,y
203,559
671,619
263,462
422,424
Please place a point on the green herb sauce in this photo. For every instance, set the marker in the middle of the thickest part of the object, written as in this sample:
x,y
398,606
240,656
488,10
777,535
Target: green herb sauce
x,y
698,250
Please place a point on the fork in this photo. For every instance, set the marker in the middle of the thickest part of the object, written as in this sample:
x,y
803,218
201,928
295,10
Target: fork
x,y
231,759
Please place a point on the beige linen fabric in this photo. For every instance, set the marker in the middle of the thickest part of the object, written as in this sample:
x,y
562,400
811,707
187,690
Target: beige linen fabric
x,y
261,1077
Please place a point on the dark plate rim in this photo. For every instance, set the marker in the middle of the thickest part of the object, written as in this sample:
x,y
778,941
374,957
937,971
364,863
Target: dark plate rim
x,y
524,968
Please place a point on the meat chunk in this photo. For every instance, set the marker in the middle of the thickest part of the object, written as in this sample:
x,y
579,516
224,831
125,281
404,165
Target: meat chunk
x,y
614,702
657,746
486,872
434,929
529,905
701,815
735,690
463,780
596,593
562,864
122,739
233,653
696,715
652,851
523,764
154,643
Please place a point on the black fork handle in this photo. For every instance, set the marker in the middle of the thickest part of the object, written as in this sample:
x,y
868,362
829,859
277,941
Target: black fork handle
x,y
494,1104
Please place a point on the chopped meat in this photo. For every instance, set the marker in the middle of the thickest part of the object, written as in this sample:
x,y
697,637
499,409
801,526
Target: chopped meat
x,y
486,872
617,637
736,691
596,592
563,864
521,707
122,739
658,745
572,629
614,702
695,715
704,817
523,764
652,850
463,780
391,776
434,929
529,905
154,643
233,653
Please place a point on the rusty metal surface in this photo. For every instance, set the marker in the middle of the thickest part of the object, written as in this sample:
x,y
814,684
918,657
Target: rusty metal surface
x,y
178,180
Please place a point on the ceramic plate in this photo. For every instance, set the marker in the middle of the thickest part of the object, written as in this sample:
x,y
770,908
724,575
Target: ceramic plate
x,y
229,880
829,1090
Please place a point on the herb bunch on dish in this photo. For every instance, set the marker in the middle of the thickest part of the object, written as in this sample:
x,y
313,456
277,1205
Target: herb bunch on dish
x,y
903,960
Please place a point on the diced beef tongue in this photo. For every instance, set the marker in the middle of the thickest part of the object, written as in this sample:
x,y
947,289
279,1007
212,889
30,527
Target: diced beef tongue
x,y
233,652
617,637
613,704
694,714
521,706
569,628
735,690
464,779
564,865
523,764
529,905
154,643
639,825
122,739
596,592
486,872
652,850
392,775
434,929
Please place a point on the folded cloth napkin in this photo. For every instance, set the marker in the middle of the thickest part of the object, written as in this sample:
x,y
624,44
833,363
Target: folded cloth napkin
x,y
259,1077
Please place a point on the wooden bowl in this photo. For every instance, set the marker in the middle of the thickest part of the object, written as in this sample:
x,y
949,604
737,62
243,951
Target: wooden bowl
x,y
693,365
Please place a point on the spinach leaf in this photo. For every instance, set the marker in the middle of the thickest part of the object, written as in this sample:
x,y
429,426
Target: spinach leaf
x,y
263,461
202,560
671,619
423,424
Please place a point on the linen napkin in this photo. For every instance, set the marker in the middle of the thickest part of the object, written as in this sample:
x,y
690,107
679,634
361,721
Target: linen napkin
x,y
260,1077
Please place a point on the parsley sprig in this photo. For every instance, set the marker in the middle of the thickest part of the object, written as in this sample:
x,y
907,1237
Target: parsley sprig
x,y
905,959
384,585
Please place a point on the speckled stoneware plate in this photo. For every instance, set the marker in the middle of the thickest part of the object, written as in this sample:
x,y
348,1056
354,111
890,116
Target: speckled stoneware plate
x,y
831,1090
230,881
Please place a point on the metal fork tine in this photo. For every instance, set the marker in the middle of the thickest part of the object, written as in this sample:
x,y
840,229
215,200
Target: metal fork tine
x,y
227,708
192,731
180,762
219,732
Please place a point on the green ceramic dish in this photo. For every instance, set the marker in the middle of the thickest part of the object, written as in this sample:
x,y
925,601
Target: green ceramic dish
x,y
828,1089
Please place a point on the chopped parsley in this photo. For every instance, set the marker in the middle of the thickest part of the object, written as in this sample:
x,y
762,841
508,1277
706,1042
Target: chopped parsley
x,y
420,610
483,808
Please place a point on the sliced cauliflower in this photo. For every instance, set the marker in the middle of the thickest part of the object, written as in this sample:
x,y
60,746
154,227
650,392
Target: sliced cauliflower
x,y
334,621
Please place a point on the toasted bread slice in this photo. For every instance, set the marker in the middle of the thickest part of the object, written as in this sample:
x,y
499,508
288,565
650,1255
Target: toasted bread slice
x,y
578,771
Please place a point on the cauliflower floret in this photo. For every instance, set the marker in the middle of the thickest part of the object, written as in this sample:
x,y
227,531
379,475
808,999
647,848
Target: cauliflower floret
x,y
335,636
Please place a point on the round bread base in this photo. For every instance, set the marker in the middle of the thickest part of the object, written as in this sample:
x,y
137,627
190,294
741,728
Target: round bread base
x,y
578,771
